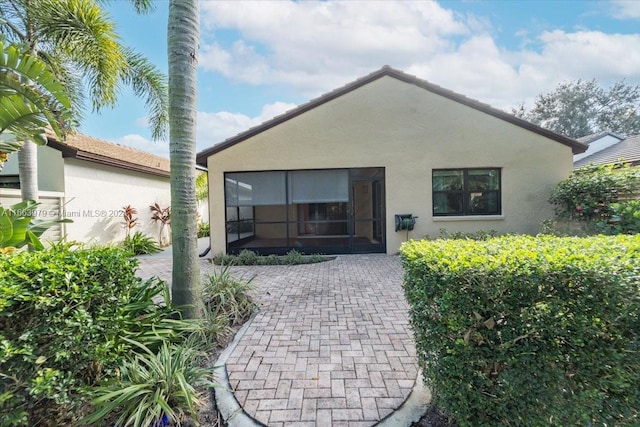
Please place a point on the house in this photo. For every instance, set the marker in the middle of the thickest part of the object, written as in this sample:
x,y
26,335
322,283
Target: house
x,y
90,181
331,175
609,149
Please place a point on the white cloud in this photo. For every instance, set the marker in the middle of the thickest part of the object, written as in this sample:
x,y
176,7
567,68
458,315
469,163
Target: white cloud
x,y
312,47
625,9
214,128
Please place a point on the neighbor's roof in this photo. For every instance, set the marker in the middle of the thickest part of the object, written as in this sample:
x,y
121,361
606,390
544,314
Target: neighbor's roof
x,y
83,147
576,146
588,139
625,151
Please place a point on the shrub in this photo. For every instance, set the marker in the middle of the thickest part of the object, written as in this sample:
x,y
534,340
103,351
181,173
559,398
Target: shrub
x,y
247,257
63,316
588,193
625,219
139,244
294,257
476,235
227,296
526,331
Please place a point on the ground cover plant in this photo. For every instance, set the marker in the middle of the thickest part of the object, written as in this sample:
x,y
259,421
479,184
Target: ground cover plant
x,y
528,331
247,257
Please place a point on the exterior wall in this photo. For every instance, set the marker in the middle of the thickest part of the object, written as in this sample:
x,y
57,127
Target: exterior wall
x,y
408,131
50,169
95,197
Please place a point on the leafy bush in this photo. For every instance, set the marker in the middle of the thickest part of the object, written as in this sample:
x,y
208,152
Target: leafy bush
x,y
246,257
63,318
526,331
139,244
204,229
588,193
625,219
477,235
228,296
152,388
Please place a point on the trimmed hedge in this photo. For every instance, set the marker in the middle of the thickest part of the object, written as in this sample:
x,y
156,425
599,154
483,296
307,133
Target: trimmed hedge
x,y
529,331
63,314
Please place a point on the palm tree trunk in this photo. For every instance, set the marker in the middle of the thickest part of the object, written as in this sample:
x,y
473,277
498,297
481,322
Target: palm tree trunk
x,y
183,35
28,171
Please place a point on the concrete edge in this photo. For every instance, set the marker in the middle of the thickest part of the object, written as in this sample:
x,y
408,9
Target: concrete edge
x,y
228,406
412,409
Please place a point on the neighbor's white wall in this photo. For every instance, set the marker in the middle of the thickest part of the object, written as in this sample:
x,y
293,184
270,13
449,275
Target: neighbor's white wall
x,y
410,132
50,168
96,194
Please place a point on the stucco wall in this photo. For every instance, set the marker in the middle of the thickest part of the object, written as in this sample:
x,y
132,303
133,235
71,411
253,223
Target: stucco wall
x,y
408,131
50,165
96,194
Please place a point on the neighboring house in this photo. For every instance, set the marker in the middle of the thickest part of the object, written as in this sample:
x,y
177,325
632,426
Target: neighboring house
x,y
90,181
615,149
330,175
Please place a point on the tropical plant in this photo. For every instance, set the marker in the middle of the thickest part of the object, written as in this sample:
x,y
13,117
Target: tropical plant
x,y
204,229
18,227
183,35
130,221
31,99
77,39
227,295
140,244
163,216
153,388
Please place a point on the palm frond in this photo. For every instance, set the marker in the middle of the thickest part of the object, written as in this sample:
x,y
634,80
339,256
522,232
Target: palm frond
x,y
86,35
146,80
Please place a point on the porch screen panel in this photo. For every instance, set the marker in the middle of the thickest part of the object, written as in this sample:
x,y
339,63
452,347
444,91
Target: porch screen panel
x,y
319,186
255,189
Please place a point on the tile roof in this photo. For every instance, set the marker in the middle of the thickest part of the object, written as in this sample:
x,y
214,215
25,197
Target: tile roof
x,y
96,150
627,149
588,139
577,147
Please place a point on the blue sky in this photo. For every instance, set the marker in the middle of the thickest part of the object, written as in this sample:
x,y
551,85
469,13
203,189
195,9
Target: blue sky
x,y
261,58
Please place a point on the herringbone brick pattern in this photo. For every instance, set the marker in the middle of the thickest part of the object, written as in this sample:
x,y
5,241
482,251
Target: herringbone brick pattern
x,y
331,345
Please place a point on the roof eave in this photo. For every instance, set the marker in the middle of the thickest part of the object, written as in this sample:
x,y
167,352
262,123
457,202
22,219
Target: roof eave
x,y
74,153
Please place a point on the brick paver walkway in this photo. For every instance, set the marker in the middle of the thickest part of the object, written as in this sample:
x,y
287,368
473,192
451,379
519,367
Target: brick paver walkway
x,y
330,346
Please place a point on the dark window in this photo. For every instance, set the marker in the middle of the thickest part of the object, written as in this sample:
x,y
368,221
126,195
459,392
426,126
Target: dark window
x,y
466,192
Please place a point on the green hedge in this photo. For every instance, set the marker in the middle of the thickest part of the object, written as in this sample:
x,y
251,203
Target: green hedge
x,y
62,316
529,331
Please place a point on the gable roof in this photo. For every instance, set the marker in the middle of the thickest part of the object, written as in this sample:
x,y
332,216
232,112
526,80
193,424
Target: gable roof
x,y
83,147
588,139
628,150
576,146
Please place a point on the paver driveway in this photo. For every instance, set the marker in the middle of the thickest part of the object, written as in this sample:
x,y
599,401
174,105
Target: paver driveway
x,y
330,346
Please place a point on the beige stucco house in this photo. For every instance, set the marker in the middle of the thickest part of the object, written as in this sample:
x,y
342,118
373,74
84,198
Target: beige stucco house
x,y
331,175
89,181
